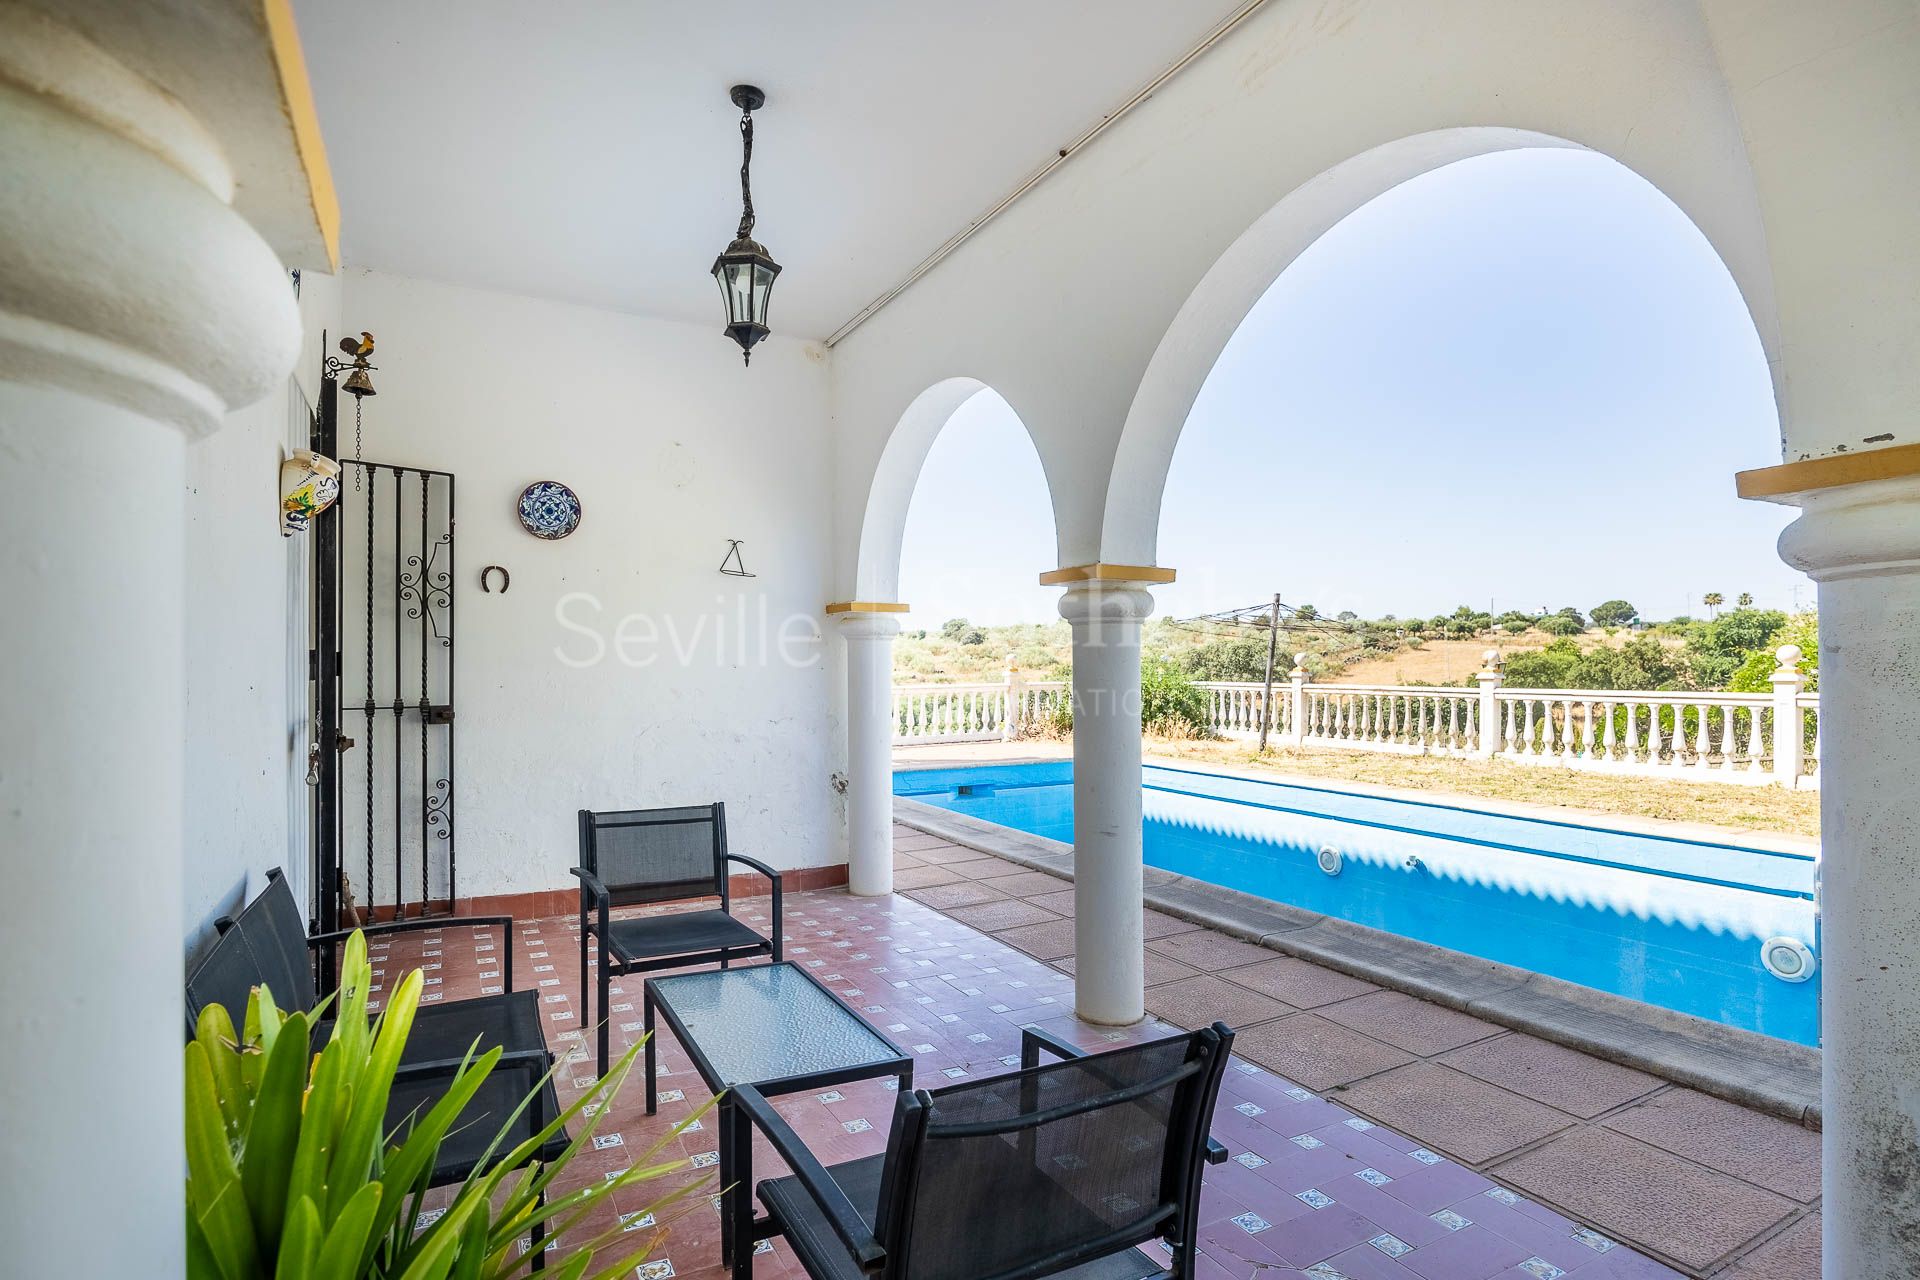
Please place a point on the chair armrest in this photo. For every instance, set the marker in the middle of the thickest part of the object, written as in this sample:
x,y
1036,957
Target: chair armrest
x,y
590,883
1033,1040
773,877
539,1059
756,864
853,1230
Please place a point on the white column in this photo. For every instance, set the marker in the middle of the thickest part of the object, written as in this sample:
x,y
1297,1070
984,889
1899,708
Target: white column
x,y
1297,705
1861,544
869,750
1789,721
135,308
1109,973
1489,677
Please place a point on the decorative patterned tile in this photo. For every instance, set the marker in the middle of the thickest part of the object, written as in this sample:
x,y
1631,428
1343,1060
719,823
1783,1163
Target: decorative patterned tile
x,y
1373,1177
1540,1267
1391,1245
1313,1198
1251,1223
1592,1239
1450,1220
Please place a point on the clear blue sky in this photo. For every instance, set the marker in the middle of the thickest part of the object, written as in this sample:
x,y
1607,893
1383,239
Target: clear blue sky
x,y
1524,378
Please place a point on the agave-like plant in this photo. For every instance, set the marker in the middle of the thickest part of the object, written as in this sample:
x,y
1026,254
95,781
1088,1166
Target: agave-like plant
x,y
291,1174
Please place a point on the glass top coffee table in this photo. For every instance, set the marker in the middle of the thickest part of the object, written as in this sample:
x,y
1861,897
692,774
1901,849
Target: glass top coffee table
x,y
775,1027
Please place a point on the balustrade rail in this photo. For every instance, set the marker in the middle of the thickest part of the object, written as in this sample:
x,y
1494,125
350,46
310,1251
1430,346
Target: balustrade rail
x,y
1745,738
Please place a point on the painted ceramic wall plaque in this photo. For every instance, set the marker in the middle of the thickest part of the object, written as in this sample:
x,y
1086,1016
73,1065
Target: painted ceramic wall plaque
x,y
548,509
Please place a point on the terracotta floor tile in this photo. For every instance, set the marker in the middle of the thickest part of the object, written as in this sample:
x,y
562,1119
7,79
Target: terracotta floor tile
x,y
1299,982
1454,1113
923,877
1158,924
939,852
959,893
1575,1082
1060,901
1764,1150
1159,968
1317,1053
1623,1186
1205,949
1418,1026
1022,884
1794,1254
1198,1001
1045,941
994,916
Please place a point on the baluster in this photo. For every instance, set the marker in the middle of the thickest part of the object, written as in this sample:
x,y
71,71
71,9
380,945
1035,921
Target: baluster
x,y
1607,739
1453,724
1755,743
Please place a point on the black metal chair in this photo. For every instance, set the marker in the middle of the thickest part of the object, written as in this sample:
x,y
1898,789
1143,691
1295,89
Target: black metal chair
x,y
631,857
1057,1170
268,945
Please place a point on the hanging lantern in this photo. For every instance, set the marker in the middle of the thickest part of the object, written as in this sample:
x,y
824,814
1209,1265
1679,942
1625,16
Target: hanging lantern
x,y
745,271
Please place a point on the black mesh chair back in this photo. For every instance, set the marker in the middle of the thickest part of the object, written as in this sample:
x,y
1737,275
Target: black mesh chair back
x,y
1034,1173
657,855
265,946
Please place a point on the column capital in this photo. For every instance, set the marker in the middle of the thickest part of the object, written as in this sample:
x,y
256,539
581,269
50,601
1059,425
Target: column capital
x,y
868,626
1103,601
1857,531
125,273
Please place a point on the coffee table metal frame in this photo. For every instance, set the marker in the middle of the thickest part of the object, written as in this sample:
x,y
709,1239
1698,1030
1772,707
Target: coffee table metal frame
x,y
740,1230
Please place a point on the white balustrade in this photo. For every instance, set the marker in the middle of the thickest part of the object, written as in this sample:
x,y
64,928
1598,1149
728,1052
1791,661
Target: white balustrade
x,y
1695,736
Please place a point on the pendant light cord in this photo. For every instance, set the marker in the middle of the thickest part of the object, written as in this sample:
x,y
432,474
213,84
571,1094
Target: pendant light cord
x,y
746,162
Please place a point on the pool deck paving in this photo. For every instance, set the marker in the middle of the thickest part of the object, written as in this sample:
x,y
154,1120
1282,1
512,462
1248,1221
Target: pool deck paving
x,y
1538,1144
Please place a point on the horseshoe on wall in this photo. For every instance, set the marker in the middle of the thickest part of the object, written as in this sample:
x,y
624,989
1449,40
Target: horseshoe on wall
x,y
506,579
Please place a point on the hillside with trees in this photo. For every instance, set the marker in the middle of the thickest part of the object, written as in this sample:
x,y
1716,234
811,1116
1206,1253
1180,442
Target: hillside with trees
x,y
1606,647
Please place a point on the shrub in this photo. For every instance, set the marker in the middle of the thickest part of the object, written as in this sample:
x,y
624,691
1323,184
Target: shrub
x,y
1171,705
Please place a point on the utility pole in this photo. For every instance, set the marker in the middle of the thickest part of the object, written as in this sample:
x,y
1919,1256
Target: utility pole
x,y
1266,700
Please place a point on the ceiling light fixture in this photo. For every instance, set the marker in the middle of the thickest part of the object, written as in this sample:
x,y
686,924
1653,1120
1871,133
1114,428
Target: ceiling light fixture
x,y
745,271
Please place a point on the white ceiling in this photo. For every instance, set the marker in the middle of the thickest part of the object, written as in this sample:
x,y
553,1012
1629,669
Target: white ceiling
x,y
587,151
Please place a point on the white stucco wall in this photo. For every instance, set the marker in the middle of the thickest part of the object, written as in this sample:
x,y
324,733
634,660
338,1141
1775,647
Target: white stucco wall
x,y
1090,305
245,810
673,449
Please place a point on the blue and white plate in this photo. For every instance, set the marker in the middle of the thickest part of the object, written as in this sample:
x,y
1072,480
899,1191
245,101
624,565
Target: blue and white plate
x,y
549,509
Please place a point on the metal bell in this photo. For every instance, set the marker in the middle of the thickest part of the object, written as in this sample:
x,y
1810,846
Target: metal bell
x,y
358,383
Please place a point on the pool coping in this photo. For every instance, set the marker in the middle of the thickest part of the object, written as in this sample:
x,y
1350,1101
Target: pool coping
x,y
1775,1076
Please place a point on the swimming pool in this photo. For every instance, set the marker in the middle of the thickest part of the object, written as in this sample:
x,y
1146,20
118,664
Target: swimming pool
x,y
1680,923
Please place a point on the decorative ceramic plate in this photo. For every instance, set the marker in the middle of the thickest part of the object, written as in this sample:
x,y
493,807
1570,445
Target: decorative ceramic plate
x,y
549,509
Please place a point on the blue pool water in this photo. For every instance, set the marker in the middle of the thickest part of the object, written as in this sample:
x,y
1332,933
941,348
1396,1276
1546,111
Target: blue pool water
x,y
1673,922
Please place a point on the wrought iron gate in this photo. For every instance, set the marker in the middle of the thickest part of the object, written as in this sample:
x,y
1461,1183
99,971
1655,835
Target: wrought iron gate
x,y
386,822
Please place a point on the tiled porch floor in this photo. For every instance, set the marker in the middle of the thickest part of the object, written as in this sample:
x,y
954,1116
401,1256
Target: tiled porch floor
x,y
1392,1114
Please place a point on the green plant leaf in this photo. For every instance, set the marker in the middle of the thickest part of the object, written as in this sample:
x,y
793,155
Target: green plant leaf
x,y
359,1140
228,1230
319,1126
274,1133
300,1243
214,1032
346,1242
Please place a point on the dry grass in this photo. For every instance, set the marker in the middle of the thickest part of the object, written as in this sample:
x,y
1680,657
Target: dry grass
x,y
1794,813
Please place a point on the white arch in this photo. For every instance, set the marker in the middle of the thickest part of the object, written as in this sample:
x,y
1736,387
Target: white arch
x,y
1222,298
884,522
